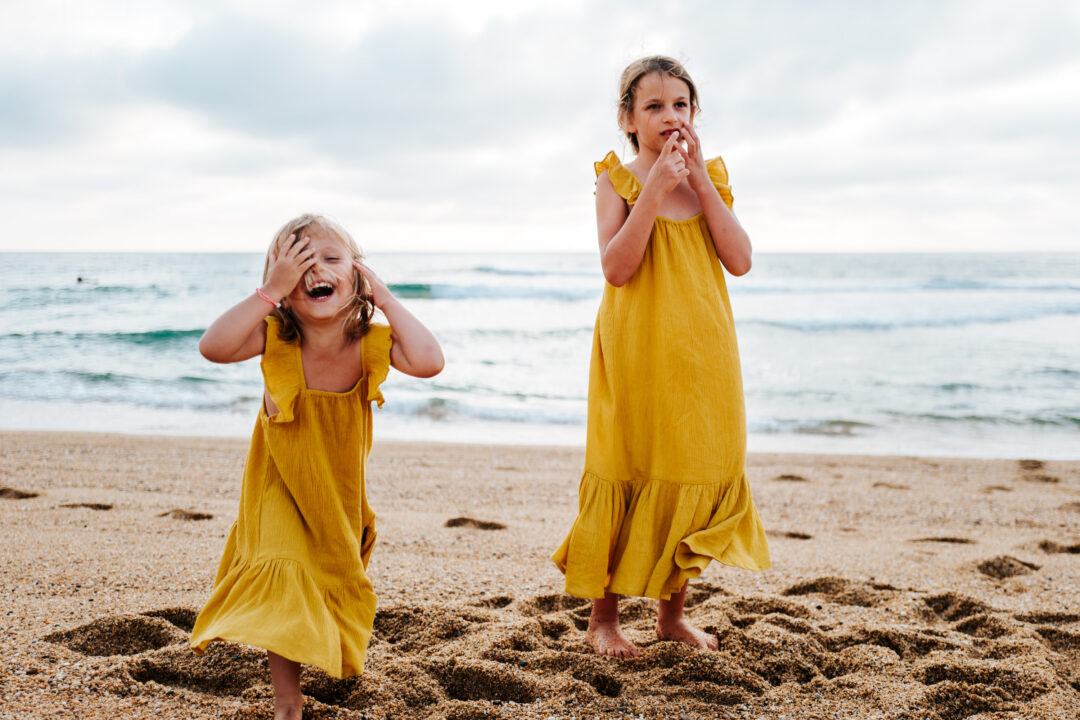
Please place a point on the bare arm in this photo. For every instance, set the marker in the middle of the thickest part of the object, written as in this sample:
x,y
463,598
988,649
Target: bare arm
x,y
625,235
240,333
415,350
730,240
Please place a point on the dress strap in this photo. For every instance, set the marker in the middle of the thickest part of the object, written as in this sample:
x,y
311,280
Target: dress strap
x,y
376,353
626,183
281,371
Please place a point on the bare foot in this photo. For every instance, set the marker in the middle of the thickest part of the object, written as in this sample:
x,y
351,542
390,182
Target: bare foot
x,y
684,632
607,638
291,712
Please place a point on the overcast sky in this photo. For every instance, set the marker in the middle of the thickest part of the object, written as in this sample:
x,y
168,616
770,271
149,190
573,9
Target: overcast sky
x,y
473,125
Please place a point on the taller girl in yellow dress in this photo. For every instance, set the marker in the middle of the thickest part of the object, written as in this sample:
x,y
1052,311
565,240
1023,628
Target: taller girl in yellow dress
x,y
664,490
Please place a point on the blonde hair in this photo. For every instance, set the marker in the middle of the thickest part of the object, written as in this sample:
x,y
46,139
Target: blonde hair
x,y
632,75
357,313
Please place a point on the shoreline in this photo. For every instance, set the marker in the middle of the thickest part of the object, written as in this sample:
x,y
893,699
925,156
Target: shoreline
x,y
884,588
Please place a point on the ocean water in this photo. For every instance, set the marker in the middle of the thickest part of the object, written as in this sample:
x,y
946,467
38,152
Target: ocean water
x,y
962,354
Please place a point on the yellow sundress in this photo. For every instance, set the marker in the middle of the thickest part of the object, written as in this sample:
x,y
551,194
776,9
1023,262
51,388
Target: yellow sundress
x,y
664,489
292,578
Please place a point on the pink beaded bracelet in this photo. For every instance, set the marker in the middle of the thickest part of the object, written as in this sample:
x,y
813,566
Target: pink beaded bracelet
x,y
267,298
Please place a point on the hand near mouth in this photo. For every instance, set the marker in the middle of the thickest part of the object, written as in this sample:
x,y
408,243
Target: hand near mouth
x,y
288,266
694,160
670,167
380,293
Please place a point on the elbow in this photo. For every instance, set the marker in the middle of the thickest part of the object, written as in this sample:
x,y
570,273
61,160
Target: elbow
x,y
616,276
210,352
740,267
206,349
741,263
433,364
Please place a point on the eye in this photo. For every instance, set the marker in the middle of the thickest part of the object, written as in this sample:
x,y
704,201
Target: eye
x,y
651,106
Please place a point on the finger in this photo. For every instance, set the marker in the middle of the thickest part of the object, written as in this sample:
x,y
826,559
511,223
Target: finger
x,y
673,138
690,138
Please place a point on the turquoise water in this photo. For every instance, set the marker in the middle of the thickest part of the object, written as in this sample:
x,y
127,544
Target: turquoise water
x,y
967,354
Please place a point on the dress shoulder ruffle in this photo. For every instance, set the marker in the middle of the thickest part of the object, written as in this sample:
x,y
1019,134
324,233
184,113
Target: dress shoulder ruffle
x,y
625,181
719,176
281,372
376,354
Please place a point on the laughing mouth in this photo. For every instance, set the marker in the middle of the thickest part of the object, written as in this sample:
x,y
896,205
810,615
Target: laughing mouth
x,y
320,290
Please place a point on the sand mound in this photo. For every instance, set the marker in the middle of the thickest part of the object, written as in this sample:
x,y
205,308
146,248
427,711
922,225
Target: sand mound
x,y
839,640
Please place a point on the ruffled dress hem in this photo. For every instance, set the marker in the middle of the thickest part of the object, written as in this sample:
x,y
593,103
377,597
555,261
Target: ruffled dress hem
x,y
619,544
328,627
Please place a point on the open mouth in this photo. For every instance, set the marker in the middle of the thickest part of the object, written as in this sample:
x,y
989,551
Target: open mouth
x,y
320,290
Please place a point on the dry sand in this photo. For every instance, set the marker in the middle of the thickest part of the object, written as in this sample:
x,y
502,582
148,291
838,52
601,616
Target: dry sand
x,y
901,588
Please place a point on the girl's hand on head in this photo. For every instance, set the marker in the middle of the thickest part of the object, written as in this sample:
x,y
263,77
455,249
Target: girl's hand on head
x,y
380,293
695,160
670,168
287,266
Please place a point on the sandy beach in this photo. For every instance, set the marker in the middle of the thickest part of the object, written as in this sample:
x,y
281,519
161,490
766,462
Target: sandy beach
x,y
901,588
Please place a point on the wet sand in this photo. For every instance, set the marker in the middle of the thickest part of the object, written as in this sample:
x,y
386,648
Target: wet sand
x,y
901,588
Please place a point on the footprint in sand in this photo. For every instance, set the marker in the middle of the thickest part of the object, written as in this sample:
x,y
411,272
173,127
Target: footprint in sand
x,y
473,523
495,602
471,660
544,604
950,540
92,506
790,478
997,488
471,679
10,493
120,635
179,514
1028,465
1005,566
792,535
1047,618
1051,547
844,591
891,486
1048,479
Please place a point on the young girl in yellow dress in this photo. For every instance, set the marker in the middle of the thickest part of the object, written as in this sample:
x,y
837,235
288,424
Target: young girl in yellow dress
x,y
664,489
292,579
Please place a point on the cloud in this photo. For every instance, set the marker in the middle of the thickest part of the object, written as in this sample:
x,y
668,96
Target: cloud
x,y
478,119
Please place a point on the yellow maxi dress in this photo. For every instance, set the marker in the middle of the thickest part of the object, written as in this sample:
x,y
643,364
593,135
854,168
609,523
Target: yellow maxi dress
x,y
292,578
664,489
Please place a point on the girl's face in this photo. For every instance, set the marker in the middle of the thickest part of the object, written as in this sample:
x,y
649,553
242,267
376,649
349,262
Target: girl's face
x,y
328,286
661,106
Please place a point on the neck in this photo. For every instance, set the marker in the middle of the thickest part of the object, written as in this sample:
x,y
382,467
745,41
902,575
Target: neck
x,y
324,337
647,157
